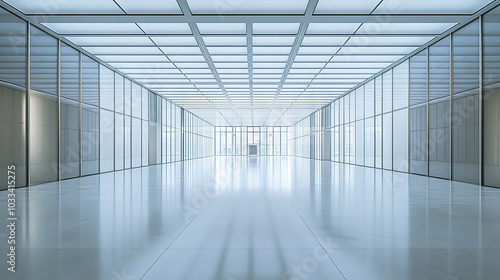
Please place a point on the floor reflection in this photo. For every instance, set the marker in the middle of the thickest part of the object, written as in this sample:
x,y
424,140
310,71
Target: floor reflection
x,y
255,218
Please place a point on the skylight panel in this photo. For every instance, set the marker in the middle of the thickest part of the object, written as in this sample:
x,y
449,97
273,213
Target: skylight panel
x,y
432,7
272,50
150,7
318,50
332,28
248,7
229,58
266,58
323,41
66,7
166,28
273,41
123,50
186,58
345,7
221,28
381,40
404,28
225,41
227,50
131,58
180,50
103,41
175,41
276,28
376,50
94,28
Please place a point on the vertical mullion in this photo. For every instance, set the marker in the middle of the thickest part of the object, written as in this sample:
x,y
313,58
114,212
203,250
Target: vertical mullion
x,y
123,124
392,119
382,121
27,113
481,99
80,126
98,112
408,113
114,120
375,121
59,109
450,107
427,144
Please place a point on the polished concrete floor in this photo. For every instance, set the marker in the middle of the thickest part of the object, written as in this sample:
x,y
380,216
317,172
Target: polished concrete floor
x,y
235,218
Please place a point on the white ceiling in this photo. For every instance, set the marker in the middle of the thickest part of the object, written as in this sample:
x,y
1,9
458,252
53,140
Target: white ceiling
x,y
253,62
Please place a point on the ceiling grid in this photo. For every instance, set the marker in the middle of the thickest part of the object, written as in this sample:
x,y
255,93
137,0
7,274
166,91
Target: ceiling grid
x,y
251,62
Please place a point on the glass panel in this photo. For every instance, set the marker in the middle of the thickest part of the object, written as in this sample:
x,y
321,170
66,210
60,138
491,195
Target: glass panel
x,y
369,142
400,86
378,141
465,111
66,7
145,143
136,100
332,28
90,81
369,99
400,142
90,140
127,135
70,138
387,92
12,133
119,142
107,142
378,95
153,143
418,78
387,141
352,143
145,104
360,142
275,28
491,60
404,28
439,69
439,138
248,7
430,6
43,62
342,7
13,51
284,141
128,97
221,28
276,141
418,140
43,134
119,93
152,7
70,72
107,88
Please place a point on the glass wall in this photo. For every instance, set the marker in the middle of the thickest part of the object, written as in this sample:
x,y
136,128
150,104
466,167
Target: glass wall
x,y
13,133
83,117
270,141
199,137
491,99
424,115
13,56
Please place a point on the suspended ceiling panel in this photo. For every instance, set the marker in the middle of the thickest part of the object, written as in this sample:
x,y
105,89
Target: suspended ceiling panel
x,y
250,62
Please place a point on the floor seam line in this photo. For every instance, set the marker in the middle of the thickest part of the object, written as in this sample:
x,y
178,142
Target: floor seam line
x,y
324,249
182,231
